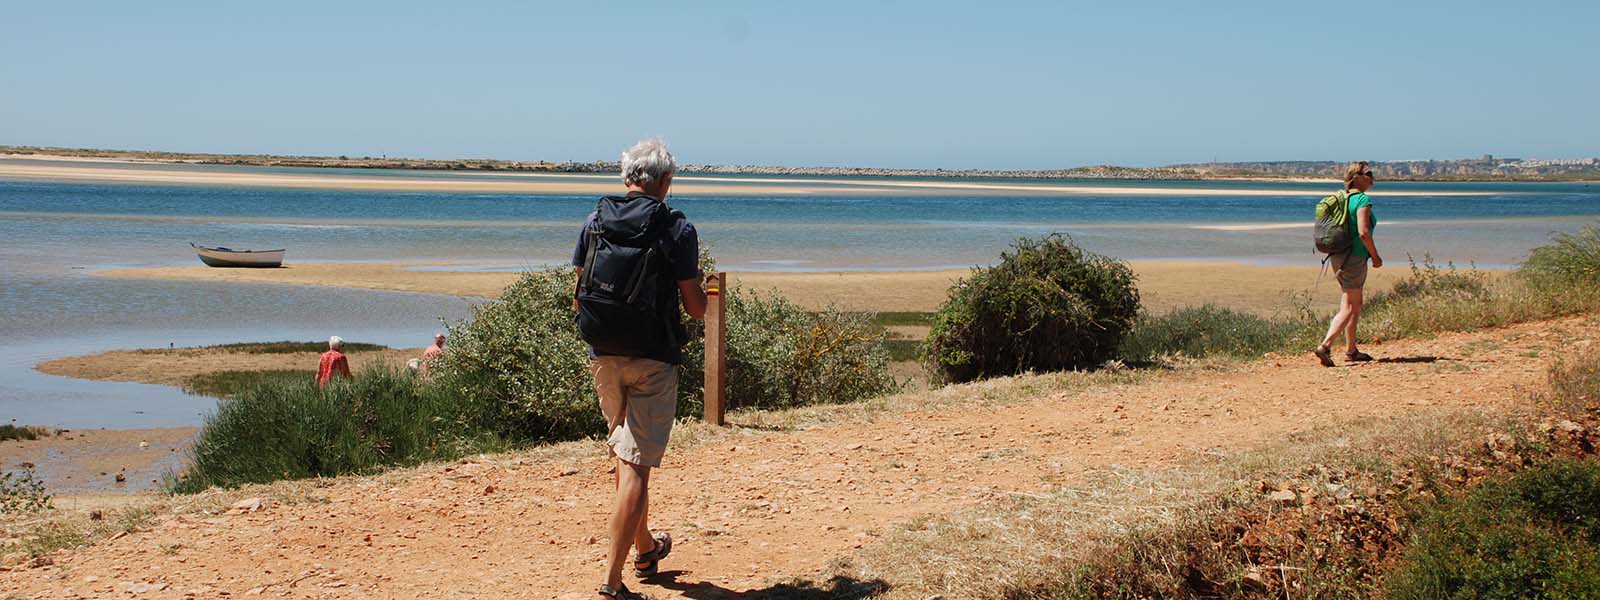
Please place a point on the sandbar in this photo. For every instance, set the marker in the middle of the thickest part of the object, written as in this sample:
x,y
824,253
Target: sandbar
x,y
175,367
560,183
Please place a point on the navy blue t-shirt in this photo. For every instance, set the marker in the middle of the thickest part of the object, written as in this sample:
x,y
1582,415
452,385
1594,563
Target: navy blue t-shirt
x,y
683,250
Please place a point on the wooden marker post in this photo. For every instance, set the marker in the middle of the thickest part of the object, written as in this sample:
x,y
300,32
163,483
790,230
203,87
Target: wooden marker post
x,y
716,350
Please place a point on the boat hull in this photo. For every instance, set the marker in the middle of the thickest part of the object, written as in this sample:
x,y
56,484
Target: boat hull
x,y
236,259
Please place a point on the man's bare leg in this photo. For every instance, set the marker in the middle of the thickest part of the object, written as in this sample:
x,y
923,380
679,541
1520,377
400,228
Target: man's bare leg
x,y
627,515
643,539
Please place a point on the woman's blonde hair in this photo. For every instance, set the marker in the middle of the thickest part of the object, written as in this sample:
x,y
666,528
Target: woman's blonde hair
x,y
1355,170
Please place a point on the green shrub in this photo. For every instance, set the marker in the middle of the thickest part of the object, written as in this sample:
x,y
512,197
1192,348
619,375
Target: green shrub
x,y
1207,330
1047,306
519,365
523,368
1536,535
1570,258
780,355
290,429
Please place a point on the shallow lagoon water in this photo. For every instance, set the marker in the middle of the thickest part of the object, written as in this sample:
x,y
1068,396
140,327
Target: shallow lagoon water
x,y
55,235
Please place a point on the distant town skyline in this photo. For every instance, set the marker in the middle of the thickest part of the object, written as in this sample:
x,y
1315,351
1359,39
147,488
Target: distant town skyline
x,y
1025,85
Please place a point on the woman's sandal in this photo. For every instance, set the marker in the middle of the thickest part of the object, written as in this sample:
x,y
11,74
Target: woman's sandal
x,y
619,593
1357,356
653,557
1325,355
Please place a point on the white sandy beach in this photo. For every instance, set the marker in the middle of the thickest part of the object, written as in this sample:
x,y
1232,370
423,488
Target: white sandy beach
x,y
37,167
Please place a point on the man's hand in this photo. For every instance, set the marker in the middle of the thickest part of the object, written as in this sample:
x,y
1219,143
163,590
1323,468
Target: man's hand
x,y
1377,262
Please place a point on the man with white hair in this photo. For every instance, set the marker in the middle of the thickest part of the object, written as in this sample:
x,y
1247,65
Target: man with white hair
x,y
432,353
638,260
333,362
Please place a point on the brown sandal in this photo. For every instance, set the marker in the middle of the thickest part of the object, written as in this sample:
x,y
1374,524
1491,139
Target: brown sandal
x,y
653,557
619,593
1324,354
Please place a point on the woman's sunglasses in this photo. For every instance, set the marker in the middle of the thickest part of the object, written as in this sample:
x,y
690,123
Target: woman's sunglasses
x,y
1367,174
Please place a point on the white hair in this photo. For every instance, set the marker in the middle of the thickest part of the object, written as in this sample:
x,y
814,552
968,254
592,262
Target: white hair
x,y
335,342
647,162
438,336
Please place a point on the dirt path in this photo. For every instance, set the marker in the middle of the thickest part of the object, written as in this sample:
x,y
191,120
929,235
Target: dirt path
x,y
763,507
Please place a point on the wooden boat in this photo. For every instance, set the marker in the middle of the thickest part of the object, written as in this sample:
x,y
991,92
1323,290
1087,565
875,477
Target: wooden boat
x,y
227,257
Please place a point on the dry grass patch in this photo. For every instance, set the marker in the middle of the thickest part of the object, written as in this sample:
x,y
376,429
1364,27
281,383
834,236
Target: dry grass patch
x,y
1131,533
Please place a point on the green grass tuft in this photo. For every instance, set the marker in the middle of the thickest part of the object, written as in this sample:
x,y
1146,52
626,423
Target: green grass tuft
x,y
20,432
1570,258
227,384
1206,331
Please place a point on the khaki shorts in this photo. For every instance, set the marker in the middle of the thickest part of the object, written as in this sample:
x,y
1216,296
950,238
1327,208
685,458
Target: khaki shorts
x,y
1350,270
639,398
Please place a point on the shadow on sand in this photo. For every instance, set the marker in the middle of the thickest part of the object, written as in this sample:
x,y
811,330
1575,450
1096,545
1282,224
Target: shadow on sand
x,y
1413,359
838,588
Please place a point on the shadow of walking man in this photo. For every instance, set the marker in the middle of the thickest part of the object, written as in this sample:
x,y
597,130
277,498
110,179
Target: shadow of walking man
x,y
837,588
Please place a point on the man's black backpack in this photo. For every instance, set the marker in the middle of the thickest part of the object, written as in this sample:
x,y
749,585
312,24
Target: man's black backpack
x,y
627,300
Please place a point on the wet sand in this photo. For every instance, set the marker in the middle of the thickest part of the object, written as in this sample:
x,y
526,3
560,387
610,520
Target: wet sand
x,y
77,461
1164,285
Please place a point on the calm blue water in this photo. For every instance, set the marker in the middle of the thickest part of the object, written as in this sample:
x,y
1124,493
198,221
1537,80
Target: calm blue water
x,y
54,235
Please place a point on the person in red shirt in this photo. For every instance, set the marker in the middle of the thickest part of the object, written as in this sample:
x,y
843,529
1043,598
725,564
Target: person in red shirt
x,y
333,362
432,354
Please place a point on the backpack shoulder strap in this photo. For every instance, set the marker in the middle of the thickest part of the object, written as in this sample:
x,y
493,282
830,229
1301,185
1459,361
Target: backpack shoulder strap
x,y
591,242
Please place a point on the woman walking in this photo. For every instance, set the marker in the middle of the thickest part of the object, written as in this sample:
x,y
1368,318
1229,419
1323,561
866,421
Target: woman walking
x,y
1350,266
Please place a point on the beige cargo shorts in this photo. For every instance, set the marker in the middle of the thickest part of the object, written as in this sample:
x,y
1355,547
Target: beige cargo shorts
x,y
639,398
1350,270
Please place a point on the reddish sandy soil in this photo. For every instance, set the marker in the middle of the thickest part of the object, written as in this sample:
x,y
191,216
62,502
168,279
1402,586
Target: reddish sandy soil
x,y
762,507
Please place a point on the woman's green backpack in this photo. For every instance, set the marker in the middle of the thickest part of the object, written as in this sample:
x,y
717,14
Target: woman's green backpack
x,y
1332,229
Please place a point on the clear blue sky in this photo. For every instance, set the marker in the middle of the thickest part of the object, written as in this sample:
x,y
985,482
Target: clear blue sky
x,y
895,84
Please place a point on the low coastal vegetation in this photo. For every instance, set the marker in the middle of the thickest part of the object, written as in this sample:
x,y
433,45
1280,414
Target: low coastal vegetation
x,y
12,431
288,428
1418,507
516,374
227,384
1559,279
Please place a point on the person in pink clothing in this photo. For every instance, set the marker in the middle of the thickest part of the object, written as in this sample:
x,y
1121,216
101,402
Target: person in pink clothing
x,y
432,353
333,362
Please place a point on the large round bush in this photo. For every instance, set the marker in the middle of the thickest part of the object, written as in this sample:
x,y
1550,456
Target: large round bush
x,y
1047,306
